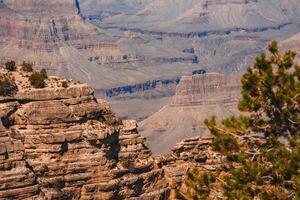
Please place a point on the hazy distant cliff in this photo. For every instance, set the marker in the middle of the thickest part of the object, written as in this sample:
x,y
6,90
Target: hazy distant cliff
x,y
197,97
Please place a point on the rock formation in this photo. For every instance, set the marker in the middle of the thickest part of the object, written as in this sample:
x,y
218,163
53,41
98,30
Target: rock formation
x,y
196,153
61,143
53,36
197,98
208,16
112,43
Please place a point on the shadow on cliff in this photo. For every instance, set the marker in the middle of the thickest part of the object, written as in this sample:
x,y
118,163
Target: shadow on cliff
x,y
111,143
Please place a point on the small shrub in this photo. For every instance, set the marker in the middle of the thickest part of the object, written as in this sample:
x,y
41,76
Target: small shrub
x,y
7,86
27,67
37,80
10,65
64,84
44,73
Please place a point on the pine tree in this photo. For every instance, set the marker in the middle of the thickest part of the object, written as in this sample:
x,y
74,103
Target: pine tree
x,y
269,169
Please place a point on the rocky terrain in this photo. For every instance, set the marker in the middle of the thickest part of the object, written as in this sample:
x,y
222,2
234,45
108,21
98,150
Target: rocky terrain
x,y
197,98
113,44
61,143
53,35
208,17
225,36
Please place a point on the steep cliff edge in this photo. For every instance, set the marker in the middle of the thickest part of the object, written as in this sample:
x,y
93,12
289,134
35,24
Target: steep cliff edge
x,y
61,143
197,97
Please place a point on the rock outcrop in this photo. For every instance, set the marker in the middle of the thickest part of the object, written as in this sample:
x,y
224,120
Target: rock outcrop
x,y
61,143
196,153
197,98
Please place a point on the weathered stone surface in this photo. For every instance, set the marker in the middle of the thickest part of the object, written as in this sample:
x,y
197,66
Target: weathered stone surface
x,y
76,148
197,98
55,93
61,143
53,35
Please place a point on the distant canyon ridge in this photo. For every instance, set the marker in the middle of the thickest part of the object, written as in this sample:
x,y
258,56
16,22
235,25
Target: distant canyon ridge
x,y
124,45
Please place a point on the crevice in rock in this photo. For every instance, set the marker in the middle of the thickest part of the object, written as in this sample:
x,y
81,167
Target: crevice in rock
x,y
6,120
64,147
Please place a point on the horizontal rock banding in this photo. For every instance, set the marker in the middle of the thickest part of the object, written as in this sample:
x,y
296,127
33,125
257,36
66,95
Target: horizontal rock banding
x,y
61,143
198,97
207,89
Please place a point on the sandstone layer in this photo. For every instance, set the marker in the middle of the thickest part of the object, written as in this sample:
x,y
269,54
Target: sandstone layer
x,y
197,98
61,143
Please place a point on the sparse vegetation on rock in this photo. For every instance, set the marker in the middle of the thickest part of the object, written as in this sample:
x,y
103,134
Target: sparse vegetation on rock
x,y
64,84
27,67
44,73
37,79
7,86
10,65
65,144
270,167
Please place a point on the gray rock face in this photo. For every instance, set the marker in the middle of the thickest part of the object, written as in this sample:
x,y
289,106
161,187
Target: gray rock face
x,y
200,16
111,43
51,35
197,98
225,36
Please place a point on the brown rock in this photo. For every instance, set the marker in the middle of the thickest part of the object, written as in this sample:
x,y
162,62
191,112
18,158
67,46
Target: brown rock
x,y
63,144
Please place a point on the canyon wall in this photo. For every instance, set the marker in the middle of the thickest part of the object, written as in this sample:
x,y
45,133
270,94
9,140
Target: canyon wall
x,y
52,35
61,143
197,98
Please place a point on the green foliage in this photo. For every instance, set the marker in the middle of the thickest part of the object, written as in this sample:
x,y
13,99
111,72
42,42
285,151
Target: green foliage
x,y
7,86
44,73
225,143
199,184
269,169
271,93
10,65
27,67
37,79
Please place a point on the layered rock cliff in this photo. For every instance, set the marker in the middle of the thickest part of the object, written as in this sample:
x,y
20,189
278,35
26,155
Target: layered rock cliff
x,y
197,97
52,35
61,143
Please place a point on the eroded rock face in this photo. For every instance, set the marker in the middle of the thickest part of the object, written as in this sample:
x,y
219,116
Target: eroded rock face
x,y
53,36
67,145
197,98
207,90
197,153
61,143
